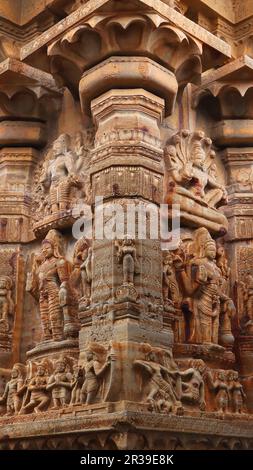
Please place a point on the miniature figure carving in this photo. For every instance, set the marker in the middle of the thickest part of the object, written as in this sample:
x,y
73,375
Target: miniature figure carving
x,y
227,314
38,398
81,276
222,264
60,384
127,256
171,291
68,302
236,393
247,302
221,389
14,390
76,384
93,373
59,174
164,384
6,303
48,282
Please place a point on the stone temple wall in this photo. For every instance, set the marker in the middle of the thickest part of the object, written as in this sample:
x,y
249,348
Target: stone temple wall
x,y
119,335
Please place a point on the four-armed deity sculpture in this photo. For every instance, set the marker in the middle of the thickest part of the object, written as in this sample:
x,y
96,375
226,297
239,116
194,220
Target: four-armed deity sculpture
x,y
205,305
191,181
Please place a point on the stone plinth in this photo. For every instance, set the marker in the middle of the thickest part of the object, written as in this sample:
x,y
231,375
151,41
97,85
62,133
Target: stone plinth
x,y
141,430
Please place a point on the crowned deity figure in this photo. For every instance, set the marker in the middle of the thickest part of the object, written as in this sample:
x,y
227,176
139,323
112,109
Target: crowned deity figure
x,y
59,174
205,305
48,279
191,180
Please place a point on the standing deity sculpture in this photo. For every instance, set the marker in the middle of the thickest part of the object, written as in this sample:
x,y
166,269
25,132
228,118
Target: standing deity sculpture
x,y
127,256
93,372
76,384
204,300
219,385
236,393
81,276
246,291
59,174
228,310
171,292
190,180
14,390
6,303
60,384
222,263
48,283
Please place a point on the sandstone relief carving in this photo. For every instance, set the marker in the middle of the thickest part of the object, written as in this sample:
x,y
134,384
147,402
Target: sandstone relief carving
x,y
93,372
114,343
15,387
171,387
49,284
193,387
207,308
164,384
10,296
229,393
6,304
171,291
81,276
61,182
191,180
36,398
246,292
127,256
60,383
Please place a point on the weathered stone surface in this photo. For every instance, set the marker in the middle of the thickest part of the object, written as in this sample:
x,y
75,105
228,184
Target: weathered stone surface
x,y
123,335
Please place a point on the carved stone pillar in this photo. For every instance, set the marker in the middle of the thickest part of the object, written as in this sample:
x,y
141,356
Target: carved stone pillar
x,y
133,336
126,169
127,71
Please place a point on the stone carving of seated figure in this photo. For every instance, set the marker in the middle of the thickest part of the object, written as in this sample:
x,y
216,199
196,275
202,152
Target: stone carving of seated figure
x,y
191,181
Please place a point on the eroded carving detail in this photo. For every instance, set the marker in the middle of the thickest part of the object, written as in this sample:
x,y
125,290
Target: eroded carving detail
x,y
126,254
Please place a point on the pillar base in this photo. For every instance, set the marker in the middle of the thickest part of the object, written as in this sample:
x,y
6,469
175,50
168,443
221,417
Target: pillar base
x,y
124,426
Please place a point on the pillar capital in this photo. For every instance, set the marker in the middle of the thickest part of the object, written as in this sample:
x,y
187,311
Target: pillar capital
x,y
227,93
96,31
24,111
